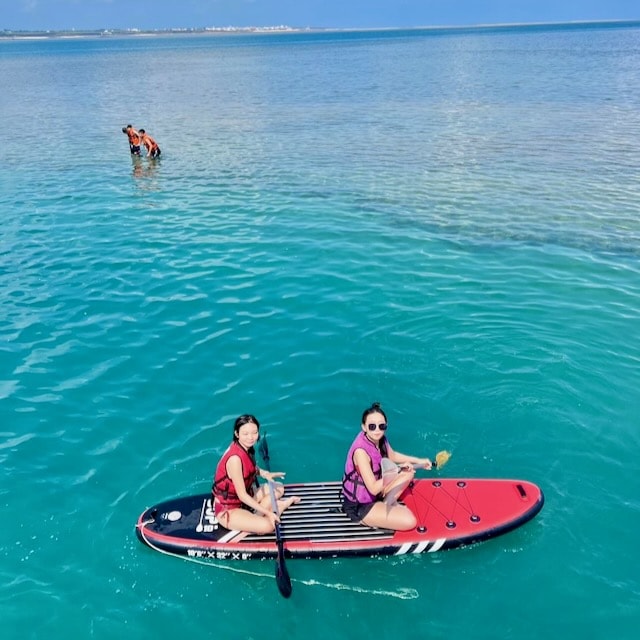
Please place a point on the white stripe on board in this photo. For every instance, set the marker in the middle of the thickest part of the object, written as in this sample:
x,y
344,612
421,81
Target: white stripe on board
x,y
403,549
229,536
437,544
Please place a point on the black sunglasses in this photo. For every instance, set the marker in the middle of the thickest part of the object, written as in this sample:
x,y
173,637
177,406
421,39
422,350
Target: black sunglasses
x,y
373,427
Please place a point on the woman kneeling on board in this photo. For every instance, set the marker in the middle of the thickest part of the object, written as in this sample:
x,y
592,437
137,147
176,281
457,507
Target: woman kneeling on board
x,y
240,503
368,495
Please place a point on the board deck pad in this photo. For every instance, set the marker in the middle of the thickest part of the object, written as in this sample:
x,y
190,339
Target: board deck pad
x,y
450,513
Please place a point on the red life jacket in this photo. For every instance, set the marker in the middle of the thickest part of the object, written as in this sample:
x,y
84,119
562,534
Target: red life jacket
x,y
223,489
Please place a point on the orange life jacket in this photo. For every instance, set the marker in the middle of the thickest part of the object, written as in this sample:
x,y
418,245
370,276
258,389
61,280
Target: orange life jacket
x,y
134,137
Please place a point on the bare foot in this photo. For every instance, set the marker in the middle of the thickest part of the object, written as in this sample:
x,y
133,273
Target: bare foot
x,y
289,501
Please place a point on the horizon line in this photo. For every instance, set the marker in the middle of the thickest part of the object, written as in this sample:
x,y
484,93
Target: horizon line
x,y
287,28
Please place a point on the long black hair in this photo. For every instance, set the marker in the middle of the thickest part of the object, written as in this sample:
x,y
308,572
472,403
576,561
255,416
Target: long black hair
x,y
245,418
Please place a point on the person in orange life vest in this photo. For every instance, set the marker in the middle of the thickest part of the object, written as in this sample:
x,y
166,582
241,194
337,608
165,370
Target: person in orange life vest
x,y
134,139
153,150
239,502
363,487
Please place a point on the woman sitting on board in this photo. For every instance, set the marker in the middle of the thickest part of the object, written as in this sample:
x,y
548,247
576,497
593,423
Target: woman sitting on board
x,y
368,494
238,501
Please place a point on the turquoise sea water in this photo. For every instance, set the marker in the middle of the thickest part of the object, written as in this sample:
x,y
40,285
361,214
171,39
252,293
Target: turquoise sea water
x,y
444,221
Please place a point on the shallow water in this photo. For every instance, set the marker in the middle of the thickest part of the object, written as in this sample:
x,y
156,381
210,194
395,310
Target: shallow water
x,y
445,222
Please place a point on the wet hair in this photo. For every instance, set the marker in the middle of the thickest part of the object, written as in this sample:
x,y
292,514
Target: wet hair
x,y
141,131
245,418
374,408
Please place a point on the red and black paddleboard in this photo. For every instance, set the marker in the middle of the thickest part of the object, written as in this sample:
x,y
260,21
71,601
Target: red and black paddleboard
x,y
451,512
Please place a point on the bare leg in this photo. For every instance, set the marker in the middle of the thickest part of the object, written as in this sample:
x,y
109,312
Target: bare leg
x,y
395,488
244,520
396,517
264,497
283,505
263,493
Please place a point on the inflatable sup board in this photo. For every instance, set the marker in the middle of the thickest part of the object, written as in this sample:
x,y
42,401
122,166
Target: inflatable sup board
x,y
451,512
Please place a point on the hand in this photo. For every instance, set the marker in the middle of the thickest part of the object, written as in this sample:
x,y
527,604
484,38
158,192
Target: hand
x,y
275,519
272,475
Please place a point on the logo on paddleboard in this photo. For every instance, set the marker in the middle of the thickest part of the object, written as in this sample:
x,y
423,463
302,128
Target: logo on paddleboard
x,y
208,521
212,554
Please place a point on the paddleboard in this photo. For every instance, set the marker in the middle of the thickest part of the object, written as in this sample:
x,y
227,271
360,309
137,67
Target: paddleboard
x,y
451,512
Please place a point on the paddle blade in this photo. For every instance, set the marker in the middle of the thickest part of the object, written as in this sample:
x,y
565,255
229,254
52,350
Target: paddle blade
x,y
282,576
263,448
389,470
441,458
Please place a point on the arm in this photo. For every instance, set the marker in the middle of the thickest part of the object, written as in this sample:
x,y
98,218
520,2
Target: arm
x,y
401,458
270,475
234,471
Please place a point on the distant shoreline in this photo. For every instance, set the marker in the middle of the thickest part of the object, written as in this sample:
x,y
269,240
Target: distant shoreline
x,y
137,33
8,34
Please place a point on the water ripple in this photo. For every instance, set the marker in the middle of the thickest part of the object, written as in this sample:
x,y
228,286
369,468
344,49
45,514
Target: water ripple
x,y
446,224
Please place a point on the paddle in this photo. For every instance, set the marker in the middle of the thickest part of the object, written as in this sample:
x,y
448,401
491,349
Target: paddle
x,y
390,471
441,459
282,574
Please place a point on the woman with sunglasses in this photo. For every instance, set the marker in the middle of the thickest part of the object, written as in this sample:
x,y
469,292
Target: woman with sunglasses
x,y
363,489
239,502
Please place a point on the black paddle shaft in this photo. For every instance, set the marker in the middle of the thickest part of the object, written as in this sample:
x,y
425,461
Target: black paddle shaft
x,y
283,579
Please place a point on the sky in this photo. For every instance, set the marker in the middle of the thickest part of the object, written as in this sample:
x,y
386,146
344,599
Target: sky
x,y
43,15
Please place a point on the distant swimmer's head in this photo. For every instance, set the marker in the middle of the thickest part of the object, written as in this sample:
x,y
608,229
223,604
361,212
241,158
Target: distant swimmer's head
x,y
140,130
